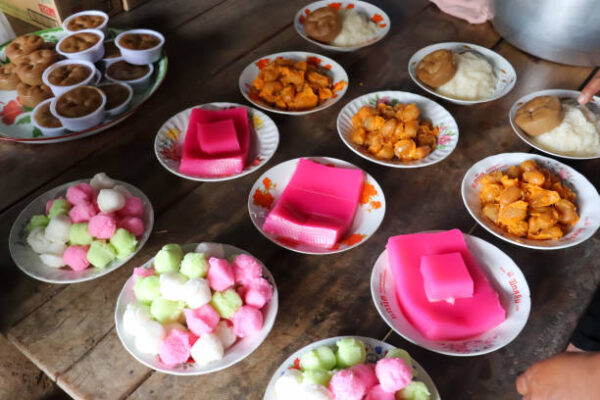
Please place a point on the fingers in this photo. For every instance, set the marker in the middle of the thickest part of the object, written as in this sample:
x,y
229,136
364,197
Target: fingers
x,y
590,89
522,383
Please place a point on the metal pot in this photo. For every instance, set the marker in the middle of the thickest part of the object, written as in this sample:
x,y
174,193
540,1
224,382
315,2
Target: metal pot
x,y
564,31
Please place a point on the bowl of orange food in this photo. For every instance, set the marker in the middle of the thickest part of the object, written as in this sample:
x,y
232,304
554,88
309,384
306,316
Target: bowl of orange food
x,y
293,82
532,201
398,129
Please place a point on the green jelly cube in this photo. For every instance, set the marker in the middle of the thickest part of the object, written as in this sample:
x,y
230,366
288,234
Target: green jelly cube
x,y
124,242
415,391
78,234
37,221
322,358
226,303
317,376
166,311
350,352
168,258
174,248
58,207
100,254
403,354
147,289
194,265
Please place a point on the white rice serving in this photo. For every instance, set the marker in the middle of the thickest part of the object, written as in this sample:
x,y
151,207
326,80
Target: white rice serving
x,y
356,29
474,78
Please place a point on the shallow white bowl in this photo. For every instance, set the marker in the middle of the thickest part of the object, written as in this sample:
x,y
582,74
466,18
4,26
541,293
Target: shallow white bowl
x,y
87,12
92,79
141,57
93,54
236,353
81,123
587,201
49,132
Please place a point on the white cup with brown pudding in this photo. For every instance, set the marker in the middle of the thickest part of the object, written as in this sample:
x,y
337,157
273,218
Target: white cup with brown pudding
x,y
80,108
68,74
86,44
136,76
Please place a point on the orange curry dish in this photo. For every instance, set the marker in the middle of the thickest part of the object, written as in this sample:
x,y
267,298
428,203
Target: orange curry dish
x,y
388,131
292,85
528,201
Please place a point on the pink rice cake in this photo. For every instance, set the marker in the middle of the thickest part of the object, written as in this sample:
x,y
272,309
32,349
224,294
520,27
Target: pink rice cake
x,y
195,161
317,206
467,317
446,277
218,137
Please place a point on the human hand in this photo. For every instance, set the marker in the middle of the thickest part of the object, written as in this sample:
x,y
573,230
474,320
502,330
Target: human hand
x,y
566,376
592,87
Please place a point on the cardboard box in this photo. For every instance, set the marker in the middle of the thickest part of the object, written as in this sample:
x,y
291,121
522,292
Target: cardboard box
x,y
51,13
131,4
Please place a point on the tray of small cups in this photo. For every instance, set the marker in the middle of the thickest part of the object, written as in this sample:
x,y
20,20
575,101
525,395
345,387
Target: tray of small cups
x,y
65,83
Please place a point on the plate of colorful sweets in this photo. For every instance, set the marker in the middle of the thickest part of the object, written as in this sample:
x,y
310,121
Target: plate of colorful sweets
x,y
532,201
293,82
449,292
398,129
196,309
342,26
316,205
81,230
351,368
216,142
73,81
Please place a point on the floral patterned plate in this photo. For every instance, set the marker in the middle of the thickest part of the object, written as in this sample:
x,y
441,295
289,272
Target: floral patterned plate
x,y
266,191
376,350
15,118
503,274
264,139
587,201
439,116
336,72
234,354
372,12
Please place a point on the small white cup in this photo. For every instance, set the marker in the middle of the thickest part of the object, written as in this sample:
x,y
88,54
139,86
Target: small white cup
x,y
89,12
49,132
138,84
123,106
93,54
107,61
141,57
84,122
94,77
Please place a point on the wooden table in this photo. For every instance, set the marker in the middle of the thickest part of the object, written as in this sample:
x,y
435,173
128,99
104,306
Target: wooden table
x,y
68,330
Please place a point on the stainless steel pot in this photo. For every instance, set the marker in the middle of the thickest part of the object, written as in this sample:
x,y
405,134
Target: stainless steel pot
x,y
564,31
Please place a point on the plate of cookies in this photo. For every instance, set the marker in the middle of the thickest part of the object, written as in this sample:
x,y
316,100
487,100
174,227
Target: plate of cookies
x,y
74,81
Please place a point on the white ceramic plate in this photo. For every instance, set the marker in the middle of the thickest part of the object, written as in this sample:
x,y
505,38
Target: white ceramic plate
x,y
503,70
502,273
29,262
335,71
268,188
372,12
264,139
234,354
593,106
376,350
439,116
587,201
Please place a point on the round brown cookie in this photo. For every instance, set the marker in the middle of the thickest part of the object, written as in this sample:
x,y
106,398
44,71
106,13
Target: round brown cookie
x,y
31,66
8,77
32,95
323,24
539,115
436,68
23,45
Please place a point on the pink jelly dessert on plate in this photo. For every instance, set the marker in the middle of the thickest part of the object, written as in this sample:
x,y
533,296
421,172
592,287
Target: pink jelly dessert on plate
x,y
441,320
317,206
216,156
446,277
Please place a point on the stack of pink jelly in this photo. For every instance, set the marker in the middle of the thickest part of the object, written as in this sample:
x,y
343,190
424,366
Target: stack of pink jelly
x,y
317,206
216,143
441,289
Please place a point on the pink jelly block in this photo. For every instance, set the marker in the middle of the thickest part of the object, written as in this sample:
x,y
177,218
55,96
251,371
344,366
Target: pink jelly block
x,y
201,320
76,257
82,212
440,320
132,224
246,269
247,321
134,207
446,277
139,272
377,393
79,193
258,293
196,162
317,206
393,374
220,274
218,137
366,373
102,226
175,347
347,385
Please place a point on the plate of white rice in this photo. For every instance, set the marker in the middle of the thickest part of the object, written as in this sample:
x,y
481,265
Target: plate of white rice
x,y
578,135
